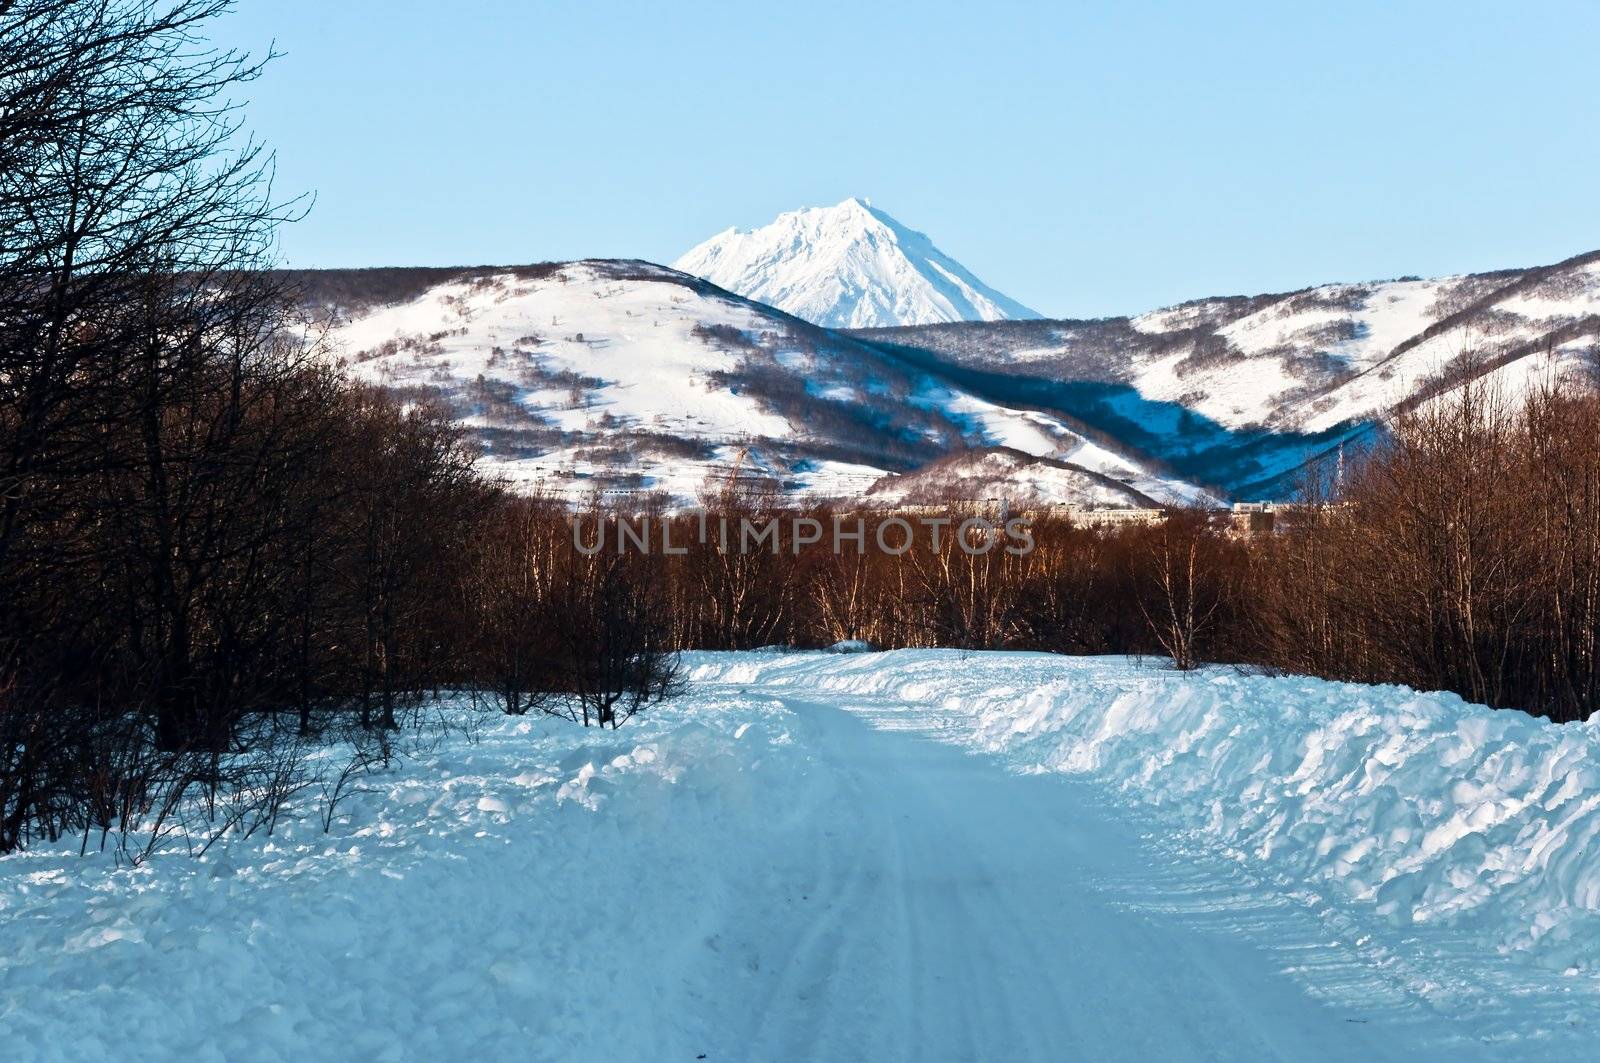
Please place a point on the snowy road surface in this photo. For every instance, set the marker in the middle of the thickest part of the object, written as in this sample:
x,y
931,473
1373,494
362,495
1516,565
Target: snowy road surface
x,y
960,912
884,857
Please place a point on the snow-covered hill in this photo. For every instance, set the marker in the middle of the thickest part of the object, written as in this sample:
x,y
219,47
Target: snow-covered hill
x,y
848,266
1241,390
1002,473
623,375
627,376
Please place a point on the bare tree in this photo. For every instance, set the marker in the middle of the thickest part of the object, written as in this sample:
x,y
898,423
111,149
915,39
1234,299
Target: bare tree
x,y
618,656
512,601
1180,593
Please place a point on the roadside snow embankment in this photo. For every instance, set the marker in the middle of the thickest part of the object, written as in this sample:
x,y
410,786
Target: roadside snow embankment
x,y
481,898
1420,807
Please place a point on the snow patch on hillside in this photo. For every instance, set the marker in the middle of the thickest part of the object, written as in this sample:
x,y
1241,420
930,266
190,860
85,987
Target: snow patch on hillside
x,y
578,320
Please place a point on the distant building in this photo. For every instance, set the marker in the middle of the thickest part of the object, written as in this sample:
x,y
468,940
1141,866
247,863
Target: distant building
x,y
1251,518
1265,518
1112,518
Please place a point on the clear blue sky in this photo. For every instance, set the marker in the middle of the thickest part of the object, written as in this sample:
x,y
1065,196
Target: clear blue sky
x,y
1087,159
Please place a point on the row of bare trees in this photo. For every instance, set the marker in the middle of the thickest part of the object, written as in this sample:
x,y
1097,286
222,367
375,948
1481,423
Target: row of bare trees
x,y
739,575
1460,553
546,626
142,395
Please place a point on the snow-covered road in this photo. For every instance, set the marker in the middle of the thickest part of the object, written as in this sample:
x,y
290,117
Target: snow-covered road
x,y
957,911
888,857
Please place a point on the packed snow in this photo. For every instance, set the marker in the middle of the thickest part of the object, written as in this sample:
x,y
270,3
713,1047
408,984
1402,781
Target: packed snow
x,y
848,266
907,855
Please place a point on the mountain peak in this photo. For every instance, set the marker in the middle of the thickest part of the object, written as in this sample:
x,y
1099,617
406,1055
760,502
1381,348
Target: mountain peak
x,y
848,266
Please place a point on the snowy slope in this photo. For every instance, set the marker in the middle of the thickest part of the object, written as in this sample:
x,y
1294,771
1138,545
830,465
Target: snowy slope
x,y
848,266
781,865
1349,352
1241,390
1001,473
621,376
627,376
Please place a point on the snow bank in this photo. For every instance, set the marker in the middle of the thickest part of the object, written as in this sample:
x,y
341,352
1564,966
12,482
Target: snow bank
x,y
1421,808
504,894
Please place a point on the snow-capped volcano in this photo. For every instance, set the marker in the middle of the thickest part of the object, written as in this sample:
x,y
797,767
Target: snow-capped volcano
x,y
848,266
